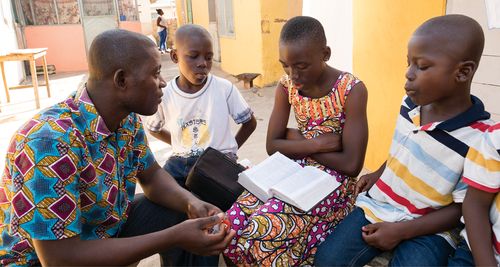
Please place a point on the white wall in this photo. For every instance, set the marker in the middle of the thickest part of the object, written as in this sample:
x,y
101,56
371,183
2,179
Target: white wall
x,y
486,83
336,17
13,70
144,8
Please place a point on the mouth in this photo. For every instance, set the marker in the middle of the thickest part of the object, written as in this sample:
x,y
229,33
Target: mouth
x,y
297,84
201,76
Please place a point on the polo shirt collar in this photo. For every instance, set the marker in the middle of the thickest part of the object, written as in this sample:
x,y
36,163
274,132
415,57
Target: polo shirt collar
x,y
475,113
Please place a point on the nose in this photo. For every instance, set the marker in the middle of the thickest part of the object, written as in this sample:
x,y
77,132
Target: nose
x,y
410,73
202,63
293,74
163,83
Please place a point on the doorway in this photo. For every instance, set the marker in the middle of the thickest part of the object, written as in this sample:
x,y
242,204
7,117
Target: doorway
x,y
98,16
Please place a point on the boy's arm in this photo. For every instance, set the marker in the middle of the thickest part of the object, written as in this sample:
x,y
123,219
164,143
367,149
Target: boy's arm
x,y
476,210
387,235
366,181
350,159
162,135
277,132
245,131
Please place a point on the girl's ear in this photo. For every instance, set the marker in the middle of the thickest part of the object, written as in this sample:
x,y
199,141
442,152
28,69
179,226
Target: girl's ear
x,y
327,52
466,70
174,56
119,79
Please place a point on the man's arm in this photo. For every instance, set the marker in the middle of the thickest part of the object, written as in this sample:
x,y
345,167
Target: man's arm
x,y
387,235
190,235
245,131
162,135
476,209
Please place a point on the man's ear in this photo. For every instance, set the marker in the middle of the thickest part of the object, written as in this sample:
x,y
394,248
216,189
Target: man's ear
x,y
119,79
466,70
173,56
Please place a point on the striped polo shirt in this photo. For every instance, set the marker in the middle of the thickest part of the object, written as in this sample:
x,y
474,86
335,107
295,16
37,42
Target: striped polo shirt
x,y
424,167
482,171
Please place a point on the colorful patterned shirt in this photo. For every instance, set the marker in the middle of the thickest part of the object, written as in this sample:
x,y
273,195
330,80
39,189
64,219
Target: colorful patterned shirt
x,y
482,171
66,174
424,167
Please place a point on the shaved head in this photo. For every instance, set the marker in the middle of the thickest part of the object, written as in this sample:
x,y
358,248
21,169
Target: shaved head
x,y
117,49
189,31
462,36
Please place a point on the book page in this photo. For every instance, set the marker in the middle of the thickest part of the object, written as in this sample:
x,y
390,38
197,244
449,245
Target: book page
x,y
305,188
267,173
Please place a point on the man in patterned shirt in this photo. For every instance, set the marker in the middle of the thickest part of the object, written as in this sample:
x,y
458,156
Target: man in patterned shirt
x,y
67,192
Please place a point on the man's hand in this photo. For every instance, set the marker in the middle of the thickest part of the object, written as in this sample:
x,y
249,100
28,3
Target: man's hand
x,y
195,235
198,209
328,142
384,236
366,182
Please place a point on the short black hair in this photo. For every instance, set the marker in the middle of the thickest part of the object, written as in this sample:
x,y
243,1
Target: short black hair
x,y
462,35
302,28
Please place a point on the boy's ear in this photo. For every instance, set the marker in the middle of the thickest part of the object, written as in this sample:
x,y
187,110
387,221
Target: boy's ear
x,y
327,52
119,79
466,70
173,56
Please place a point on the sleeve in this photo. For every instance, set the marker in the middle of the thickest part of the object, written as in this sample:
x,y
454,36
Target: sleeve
x,y
156,121
482,165
238,107
346,83
44,188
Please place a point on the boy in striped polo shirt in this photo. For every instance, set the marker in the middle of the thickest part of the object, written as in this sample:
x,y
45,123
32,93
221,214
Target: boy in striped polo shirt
x,y
415,196
481,206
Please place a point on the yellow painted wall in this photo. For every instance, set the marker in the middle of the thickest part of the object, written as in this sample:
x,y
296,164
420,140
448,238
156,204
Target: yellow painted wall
x,y
381,32
274,15
243,51
180,7
200,12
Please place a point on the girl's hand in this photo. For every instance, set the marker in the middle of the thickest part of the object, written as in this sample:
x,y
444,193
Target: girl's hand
x,y
328,142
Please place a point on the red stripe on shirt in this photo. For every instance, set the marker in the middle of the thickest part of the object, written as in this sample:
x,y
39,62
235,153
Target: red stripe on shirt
x,y
480,126
494,127
401,200
480,186
425,127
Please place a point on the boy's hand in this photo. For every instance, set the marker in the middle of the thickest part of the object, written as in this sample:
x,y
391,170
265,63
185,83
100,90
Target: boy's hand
x,y
328,142
198,209
194,235
366,182
384,236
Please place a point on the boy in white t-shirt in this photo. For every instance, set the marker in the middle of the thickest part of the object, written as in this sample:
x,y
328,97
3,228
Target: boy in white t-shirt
x,y
196,106
481,246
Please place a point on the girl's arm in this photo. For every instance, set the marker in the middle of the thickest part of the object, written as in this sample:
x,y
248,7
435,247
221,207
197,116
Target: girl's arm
x,y
277,131
158,20
245,131
350,160
162,135
476,208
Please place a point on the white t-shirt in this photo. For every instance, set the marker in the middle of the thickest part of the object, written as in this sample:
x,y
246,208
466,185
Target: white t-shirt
x,y
163,22
197,121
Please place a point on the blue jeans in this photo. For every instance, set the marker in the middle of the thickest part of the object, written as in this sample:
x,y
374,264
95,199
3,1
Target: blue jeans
x,y
179,168
462,256
163,40
147,217
345,247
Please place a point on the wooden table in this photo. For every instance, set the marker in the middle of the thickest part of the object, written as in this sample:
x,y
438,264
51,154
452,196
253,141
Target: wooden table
x,y
31,55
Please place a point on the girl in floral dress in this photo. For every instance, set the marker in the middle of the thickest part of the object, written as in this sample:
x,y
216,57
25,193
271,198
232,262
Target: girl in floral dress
x,y
330,109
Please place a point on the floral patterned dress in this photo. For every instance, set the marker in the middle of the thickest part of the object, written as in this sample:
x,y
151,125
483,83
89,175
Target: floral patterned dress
x,y
275,233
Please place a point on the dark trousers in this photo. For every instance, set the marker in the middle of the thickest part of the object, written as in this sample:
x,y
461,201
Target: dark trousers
x,y
147,217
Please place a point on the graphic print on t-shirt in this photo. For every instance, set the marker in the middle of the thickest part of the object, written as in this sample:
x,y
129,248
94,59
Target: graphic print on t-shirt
x,y
195,135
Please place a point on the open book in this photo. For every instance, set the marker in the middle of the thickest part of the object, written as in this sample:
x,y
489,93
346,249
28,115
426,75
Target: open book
x,y
280,177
